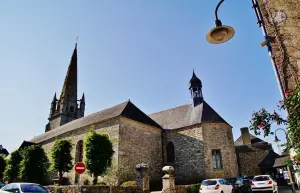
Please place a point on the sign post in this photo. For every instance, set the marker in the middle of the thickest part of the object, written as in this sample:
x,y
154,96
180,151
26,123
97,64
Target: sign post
x,y
80,167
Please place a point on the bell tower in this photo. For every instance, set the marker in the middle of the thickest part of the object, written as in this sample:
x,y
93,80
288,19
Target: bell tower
x,y
195,87
67,108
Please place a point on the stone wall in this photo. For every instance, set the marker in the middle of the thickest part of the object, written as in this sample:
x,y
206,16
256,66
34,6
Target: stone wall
x,y
189,153
282,23
219,136
93,189
249,156
140,143
109,127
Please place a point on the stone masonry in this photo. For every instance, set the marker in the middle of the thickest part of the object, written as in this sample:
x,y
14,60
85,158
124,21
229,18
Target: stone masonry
x,y
282,22
140,143
219,136
196,143
110,127
188,143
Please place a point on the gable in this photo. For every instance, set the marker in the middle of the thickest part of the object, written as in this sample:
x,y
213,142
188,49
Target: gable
x,y
134,113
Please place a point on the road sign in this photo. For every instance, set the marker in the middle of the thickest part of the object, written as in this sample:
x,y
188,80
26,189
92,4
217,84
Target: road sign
x,y
79,167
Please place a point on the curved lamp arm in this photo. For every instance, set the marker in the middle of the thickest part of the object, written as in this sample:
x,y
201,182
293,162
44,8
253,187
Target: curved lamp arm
x,y
216,11
282,130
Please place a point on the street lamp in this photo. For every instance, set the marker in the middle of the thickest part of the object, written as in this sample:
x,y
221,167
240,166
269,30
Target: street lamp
x,y
288,167
220,33
276,138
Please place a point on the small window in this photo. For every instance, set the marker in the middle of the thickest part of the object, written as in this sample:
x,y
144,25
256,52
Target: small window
x,y
170,152
71,109
217,159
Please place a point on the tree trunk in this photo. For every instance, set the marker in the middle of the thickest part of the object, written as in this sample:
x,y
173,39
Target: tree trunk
x,y
95,179
60,177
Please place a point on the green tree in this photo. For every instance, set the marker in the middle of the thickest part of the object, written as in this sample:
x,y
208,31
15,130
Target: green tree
x,y
98,151
61,158
2,166
33,167
12,167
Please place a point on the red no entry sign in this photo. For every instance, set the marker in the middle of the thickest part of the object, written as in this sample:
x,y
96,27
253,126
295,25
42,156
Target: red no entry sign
x,y
80,168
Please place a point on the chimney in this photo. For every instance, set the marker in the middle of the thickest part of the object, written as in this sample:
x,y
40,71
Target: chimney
x,y
245,136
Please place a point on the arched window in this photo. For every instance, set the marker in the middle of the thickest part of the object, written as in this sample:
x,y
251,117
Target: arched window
x,y
79,151
170,152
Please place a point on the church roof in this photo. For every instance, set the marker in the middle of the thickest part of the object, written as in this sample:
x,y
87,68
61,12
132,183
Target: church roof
x,y
187,115
253,139
125,109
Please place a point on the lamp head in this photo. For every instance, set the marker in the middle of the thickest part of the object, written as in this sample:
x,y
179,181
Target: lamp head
x,y
276,139
220,33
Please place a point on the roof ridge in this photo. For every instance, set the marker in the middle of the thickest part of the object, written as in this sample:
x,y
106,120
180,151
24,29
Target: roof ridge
x,y
168,109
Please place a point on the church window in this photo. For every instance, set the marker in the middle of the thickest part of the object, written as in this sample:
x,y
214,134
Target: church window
x,y
170,152
79,151
217,159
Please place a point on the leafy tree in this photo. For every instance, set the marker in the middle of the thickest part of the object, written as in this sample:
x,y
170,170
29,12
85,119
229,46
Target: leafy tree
x,y
262,120
12,167
114,172
98,151
2,166
33,167
61,158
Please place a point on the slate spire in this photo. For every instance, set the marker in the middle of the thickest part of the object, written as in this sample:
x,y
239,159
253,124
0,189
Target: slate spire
x,y
66,109
195,87
69,90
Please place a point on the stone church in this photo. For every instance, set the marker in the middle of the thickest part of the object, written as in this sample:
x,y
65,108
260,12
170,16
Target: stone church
x,y
192,138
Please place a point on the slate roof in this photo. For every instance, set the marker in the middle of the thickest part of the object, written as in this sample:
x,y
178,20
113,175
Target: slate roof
x,y
125,109
281,161
187,115
269,160
253,139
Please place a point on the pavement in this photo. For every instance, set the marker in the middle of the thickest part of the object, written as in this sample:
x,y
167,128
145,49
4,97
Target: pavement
x,y
287,189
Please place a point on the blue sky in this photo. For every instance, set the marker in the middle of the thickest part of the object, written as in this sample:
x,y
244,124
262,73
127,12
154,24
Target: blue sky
x,y
139,50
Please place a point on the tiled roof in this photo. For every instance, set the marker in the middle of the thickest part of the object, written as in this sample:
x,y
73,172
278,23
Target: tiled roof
x,y
186,115
126,109
253,139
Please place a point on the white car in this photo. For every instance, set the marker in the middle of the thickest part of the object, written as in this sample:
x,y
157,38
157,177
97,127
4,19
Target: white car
x,y
215,186
23,188
264,183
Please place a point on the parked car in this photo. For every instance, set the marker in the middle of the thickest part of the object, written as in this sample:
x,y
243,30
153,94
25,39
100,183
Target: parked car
x,y
215,186
239,185
23,188
1,185
264,183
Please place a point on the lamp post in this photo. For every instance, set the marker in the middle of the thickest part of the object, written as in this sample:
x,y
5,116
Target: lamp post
x,y
220,33
288,167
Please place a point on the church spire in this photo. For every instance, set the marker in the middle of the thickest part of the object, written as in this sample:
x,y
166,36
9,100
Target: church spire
x,y
195,86
66,109
69,89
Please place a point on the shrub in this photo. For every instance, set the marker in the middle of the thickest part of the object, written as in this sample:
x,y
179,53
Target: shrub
x,y
86,181
193,189
129,183
101,184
